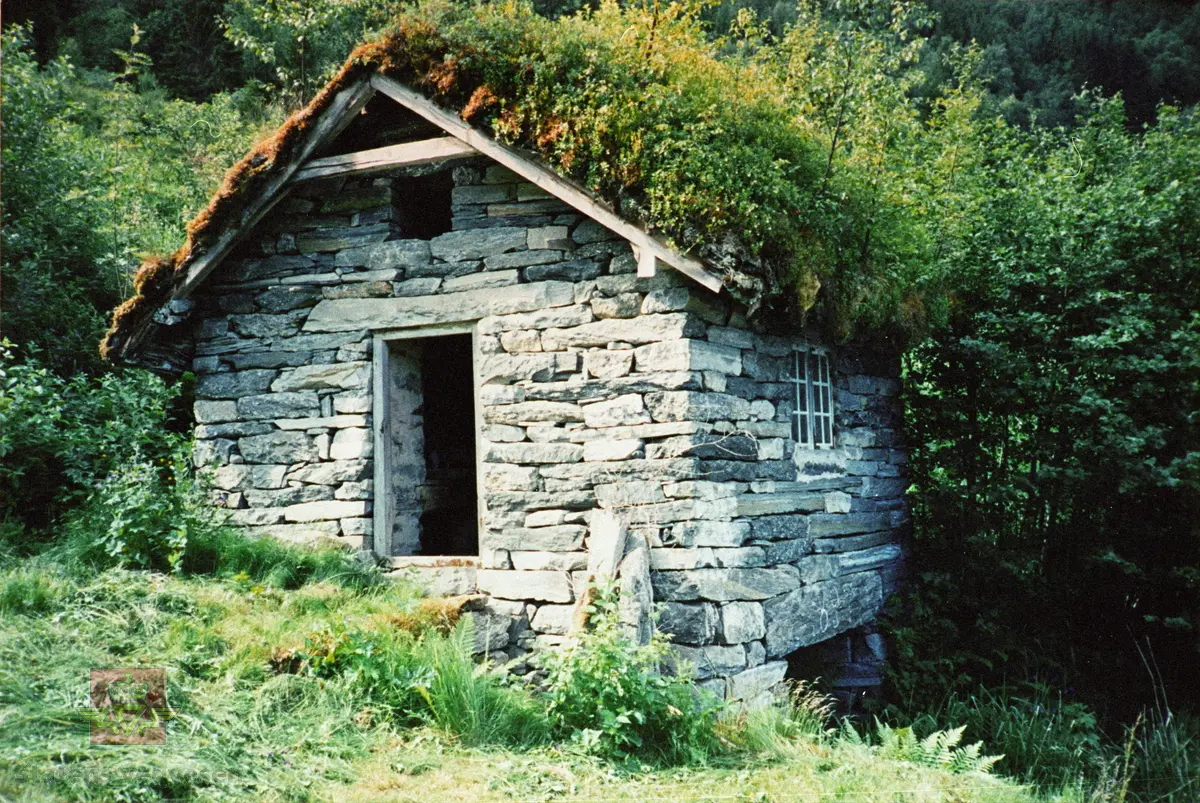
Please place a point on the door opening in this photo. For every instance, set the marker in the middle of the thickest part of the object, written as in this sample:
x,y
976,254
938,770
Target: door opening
x,y
429,437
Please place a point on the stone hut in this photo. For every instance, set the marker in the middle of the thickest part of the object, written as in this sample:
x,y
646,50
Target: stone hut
x,y
413,340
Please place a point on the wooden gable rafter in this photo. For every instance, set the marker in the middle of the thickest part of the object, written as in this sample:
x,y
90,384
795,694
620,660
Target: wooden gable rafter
x,y
647,247
462,141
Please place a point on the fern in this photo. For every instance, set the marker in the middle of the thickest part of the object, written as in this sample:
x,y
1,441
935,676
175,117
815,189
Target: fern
x,y
939,749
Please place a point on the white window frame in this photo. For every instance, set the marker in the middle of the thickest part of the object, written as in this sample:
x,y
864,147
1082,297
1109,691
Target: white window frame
x,y
811,377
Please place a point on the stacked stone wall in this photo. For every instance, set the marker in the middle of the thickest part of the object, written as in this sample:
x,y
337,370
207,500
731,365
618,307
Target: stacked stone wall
x,y
599,389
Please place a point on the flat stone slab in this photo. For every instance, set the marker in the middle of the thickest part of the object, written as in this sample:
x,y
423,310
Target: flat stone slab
x,y
820,611
725,585
344,315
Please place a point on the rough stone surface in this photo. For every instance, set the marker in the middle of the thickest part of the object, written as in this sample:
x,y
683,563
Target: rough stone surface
x,y
817,612
723,585
540,586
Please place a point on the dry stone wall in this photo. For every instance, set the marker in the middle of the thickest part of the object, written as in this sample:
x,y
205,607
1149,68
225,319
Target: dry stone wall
x,y
650,397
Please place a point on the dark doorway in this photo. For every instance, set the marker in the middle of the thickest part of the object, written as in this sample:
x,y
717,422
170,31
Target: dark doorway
x,y
449,519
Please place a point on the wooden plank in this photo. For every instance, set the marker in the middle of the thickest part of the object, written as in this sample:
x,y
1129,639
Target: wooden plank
x,y
406,154
548,180
381,541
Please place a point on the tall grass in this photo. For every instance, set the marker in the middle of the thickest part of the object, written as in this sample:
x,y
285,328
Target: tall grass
x,y
464,699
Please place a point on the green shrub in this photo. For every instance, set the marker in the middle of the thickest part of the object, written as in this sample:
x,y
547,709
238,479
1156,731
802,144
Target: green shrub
x,y
60,436
609,696
1045,739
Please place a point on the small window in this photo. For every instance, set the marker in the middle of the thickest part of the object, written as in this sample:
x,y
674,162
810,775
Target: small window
x,y
812,422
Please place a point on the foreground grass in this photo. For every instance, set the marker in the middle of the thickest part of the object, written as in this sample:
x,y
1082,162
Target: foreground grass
x,y
424,766
242,729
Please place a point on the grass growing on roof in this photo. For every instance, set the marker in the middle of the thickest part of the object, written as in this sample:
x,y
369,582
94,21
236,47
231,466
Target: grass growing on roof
x,y
798,169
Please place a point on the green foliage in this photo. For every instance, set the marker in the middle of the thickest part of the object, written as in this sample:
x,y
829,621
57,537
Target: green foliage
x,y
302,41
788,165
59,437
1040,55
941,748
141,517
228,552
96,171
608,695
779,730
470,701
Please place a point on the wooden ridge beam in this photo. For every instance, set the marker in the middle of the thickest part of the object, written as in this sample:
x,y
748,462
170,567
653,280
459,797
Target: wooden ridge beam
x,y
377,160
649,247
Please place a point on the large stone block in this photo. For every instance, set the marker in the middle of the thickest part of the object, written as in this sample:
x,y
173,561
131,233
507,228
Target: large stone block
x,y
573,315
790,526
608,450
710,661
460,246
384,256
279,405
553,620
687,405
626,410
816,568
241,476
575,270
383,313
689,624
326,510
742,621
215,412
502,476
827,525
561,538
540,586
726,585
532,412
710,533
259,325
331,473
540,561
640,330
820,611
234,384
754,683
608,364
688,355
351,444
345,375
768,504
278,447
534,453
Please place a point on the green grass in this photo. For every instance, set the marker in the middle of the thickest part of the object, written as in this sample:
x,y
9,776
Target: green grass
x,y
386,715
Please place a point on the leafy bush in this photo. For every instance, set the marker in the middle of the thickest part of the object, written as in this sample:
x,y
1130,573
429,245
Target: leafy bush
x,y
60,436
609,696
